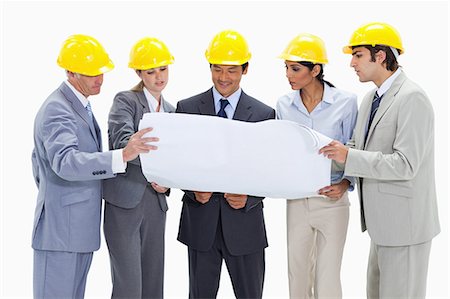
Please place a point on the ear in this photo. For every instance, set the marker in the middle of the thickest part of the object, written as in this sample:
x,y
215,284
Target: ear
x,y
138,72
316,70
246,69
380,56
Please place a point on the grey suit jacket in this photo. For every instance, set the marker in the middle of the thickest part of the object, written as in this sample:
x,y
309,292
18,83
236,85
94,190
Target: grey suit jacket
x,y
126,190
68,166
396,166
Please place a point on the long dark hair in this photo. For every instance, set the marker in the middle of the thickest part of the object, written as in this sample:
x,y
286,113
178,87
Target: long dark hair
x,y
320,76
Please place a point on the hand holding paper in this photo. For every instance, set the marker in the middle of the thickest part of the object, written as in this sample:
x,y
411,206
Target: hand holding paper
x,y
273,158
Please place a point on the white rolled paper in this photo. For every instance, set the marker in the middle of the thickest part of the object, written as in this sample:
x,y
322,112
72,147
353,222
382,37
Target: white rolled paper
x,y
273,158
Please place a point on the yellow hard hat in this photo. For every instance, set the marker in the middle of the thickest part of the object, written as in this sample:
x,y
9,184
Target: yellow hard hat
x,y
306,47
228,47
149,53
83,54
375,33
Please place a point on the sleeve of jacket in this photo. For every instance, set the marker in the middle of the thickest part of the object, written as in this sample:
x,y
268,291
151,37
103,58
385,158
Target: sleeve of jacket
x,y
121,123
35,166
413,136
60,139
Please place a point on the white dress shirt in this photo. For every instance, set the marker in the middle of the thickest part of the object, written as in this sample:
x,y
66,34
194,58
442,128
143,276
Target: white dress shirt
x,y
153,102
233,99
335,116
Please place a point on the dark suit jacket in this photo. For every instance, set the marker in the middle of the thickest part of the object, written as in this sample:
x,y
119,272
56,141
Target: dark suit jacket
x,y
243,229
126,190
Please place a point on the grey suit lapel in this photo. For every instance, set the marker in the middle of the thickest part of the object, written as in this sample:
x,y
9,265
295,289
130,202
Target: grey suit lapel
x,y
145,106
363,118
79,108
206,106
243,110
167,107
143,101
386,102
98,134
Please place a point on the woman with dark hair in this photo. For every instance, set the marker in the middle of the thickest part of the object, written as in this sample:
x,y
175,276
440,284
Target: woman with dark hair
x,y
317,225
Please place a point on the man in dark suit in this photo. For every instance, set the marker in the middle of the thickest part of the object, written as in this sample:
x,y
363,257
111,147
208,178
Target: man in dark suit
x,y
217,226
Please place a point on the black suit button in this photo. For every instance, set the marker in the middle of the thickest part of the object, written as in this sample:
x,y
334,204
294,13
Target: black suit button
x,y
93,172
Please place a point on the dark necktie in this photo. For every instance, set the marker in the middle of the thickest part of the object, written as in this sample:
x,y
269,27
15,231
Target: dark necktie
x,y
375,104
223,104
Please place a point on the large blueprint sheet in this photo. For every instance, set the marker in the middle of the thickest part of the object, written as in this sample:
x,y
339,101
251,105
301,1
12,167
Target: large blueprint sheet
x,y
273,158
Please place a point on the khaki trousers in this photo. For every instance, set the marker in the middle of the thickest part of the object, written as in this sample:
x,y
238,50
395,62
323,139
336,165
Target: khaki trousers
x,y
316,232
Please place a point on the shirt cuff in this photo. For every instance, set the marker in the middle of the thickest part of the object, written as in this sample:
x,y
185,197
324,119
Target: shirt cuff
x,y
351,179
118,166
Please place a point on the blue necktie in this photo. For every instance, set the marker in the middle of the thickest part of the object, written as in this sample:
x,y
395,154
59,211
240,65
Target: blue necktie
x,y
89,111
375,104
223,104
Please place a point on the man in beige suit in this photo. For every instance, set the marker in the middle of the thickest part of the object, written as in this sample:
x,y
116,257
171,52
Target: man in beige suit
x,y
392,153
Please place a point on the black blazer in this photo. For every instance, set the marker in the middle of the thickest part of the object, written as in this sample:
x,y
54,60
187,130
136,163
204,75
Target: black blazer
x,y
243,229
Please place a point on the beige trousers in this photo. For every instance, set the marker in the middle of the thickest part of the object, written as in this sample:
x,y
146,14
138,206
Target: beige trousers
x,y
398,271
316,232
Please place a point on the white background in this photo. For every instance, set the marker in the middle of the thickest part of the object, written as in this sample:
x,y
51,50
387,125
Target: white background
x,y
32,33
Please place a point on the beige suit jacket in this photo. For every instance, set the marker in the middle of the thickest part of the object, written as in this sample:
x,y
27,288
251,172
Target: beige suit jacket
x,y
396,166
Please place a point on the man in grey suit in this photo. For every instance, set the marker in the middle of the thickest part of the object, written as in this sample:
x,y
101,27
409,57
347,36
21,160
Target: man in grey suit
x,y
68,166
135,210
217,226
392,152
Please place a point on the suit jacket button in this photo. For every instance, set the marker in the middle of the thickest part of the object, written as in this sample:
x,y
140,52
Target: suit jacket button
x,y
93,172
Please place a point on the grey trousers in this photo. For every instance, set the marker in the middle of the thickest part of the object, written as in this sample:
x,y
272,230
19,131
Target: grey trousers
x,y
135,239
60,275
398,272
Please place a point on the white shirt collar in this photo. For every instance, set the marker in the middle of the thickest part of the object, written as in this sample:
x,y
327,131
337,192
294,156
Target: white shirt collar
x,y
84,101
153,102
328,94
327,97
388,82
233,99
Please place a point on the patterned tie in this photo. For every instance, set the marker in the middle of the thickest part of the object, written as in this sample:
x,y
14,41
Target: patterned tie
x,y
223,104
375,104
89,111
